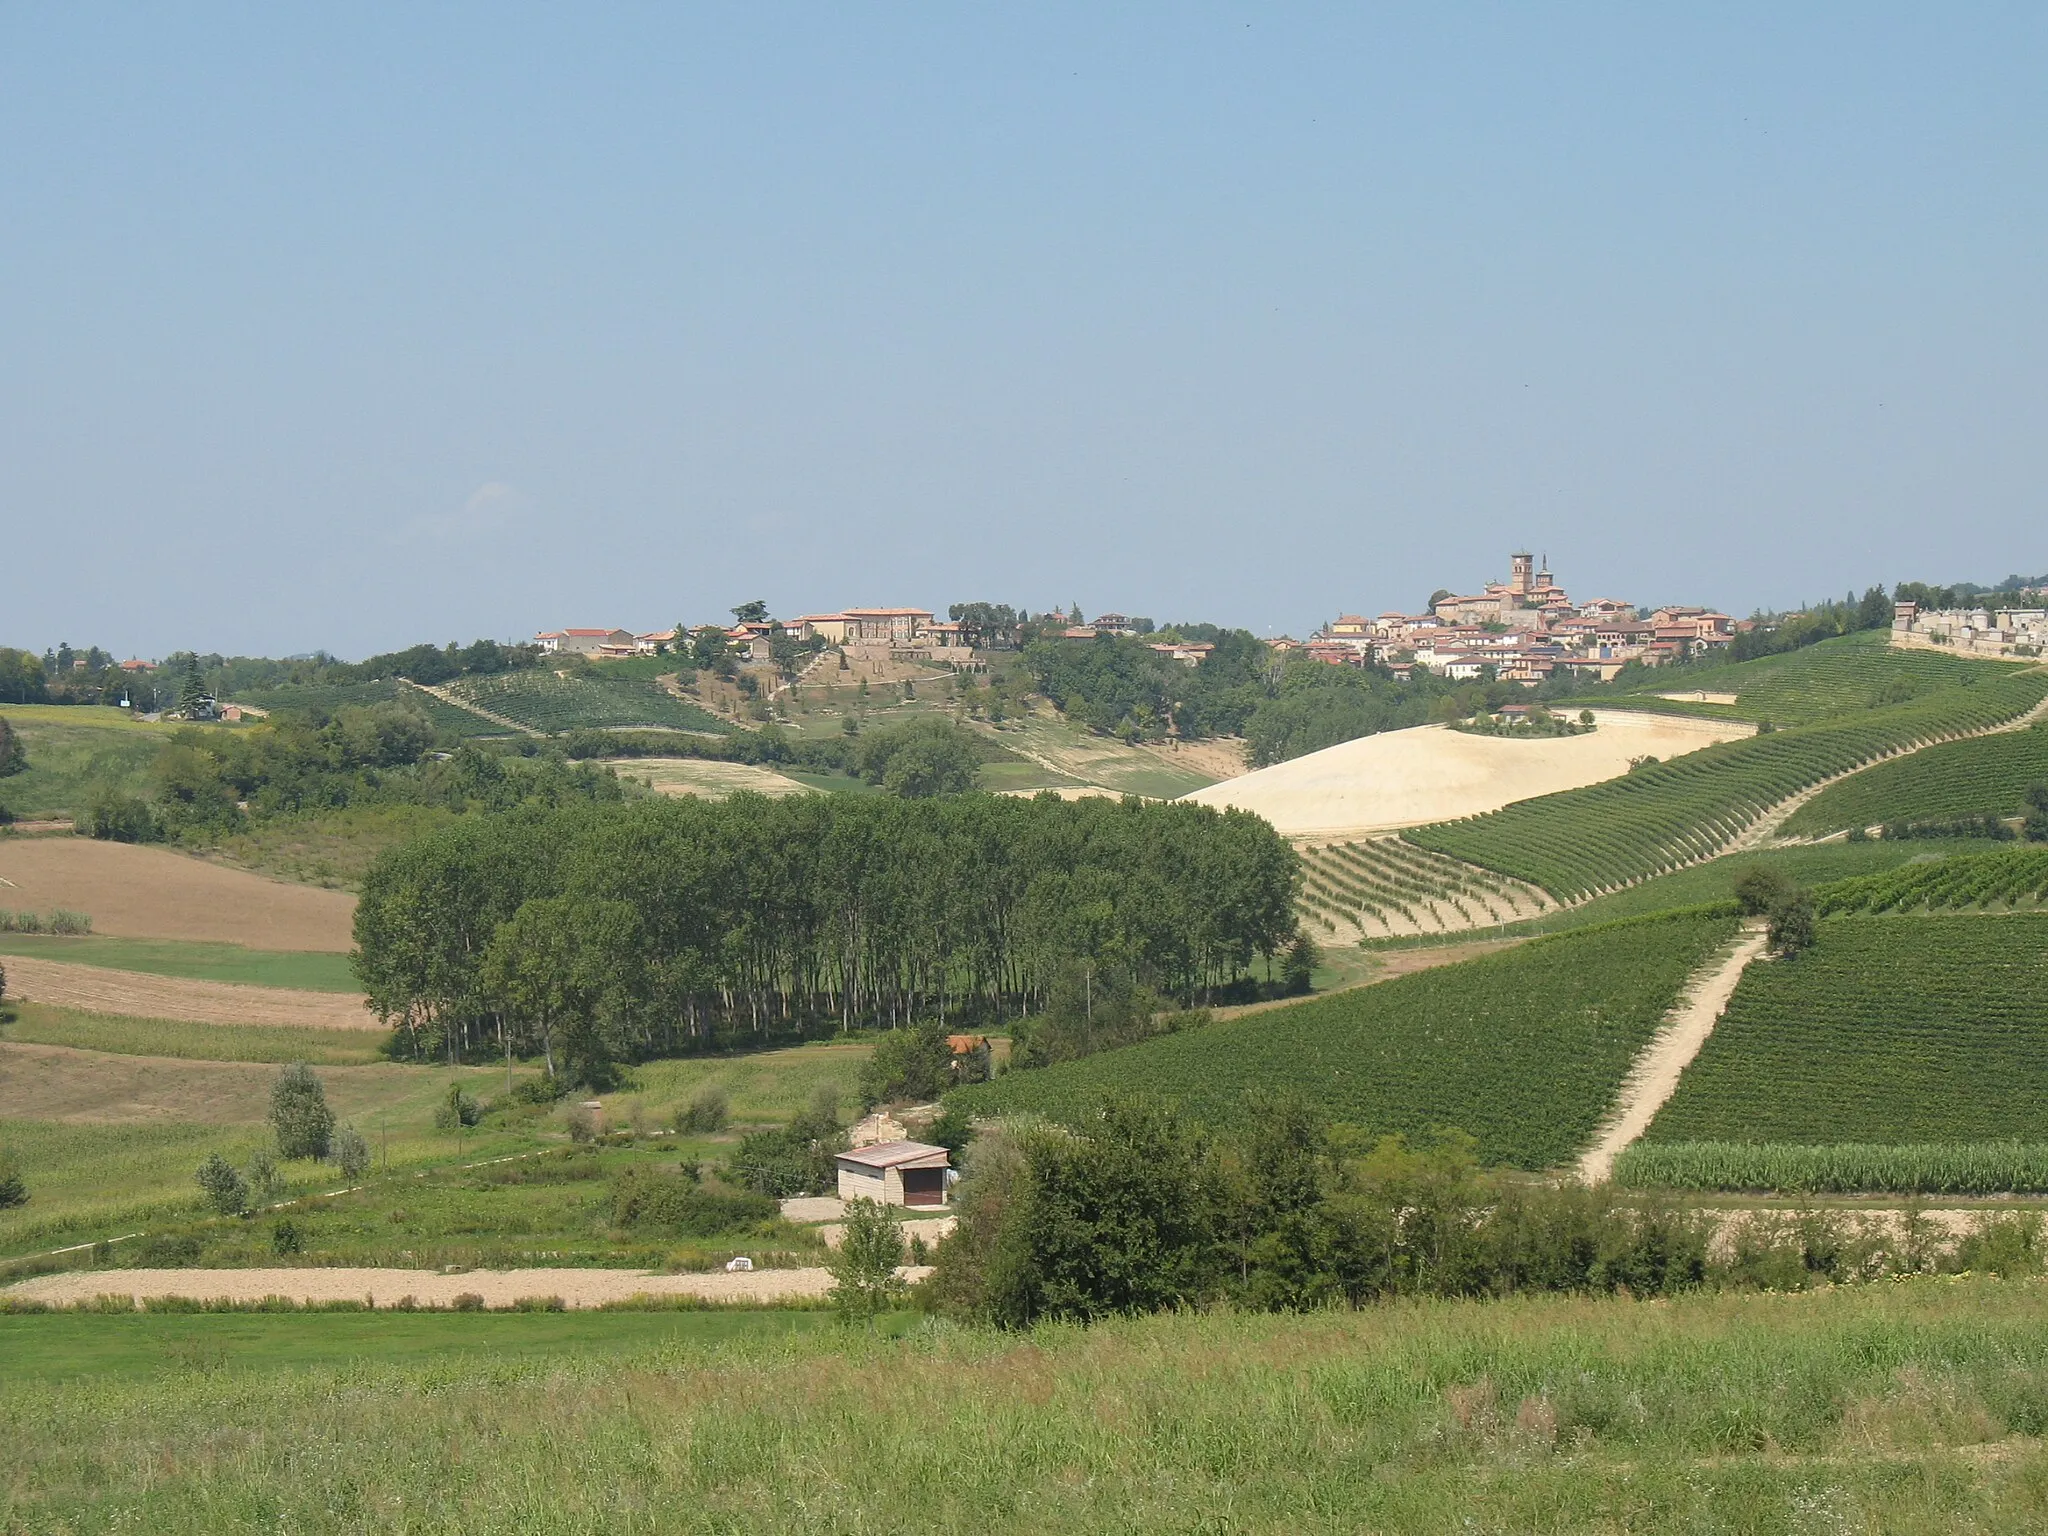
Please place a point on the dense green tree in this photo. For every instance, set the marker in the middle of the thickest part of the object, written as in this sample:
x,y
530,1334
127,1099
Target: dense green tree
x,y
920,759
13,1190
863,1267
755,612
223,1187
907,1066
299,1115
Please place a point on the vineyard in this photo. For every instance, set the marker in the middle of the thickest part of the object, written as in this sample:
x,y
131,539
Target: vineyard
x,y
1890,1029
1834,678
1382,887
1921,1168
1667,815
1524,1049
1956,779
543,701
2013,877
446,718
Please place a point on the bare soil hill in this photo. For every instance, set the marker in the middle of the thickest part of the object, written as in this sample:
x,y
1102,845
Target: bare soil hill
x,y
1431,773
136,994
151,893
712,780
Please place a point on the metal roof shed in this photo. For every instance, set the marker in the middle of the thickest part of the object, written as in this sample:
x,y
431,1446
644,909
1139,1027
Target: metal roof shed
x,y
895,1173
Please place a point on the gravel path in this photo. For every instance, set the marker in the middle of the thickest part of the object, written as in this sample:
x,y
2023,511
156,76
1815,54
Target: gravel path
x,y
577,1288
137,994
1653,1077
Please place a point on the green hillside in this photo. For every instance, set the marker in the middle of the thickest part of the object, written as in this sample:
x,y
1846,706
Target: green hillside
x,y
1820,682
1988,774
542,701
1669,814
1890,1029
1523,1049
328,697
2010,877
74,751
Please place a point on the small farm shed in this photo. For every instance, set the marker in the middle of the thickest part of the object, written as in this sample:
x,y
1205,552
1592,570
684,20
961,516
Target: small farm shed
x,y
894,1173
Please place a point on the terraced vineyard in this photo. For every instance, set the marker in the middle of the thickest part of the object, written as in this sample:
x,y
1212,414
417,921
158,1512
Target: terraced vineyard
x,y
2011,877
1583,841
1889,1030
447,718
1959,778
1382,887
1821,682
1977,1168
1524,1049
542,701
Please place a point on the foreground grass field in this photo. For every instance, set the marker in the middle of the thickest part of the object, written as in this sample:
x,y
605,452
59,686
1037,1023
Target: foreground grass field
x,y
1914,1407
1890,1029
1524,1049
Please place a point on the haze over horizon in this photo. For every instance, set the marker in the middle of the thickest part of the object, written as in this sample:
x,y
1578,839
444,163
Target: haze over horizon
x,y
350,331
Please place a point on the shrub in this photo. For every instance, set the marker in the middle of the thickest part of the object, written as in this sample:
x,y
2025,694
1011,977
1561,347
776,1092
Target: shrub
x,y
351,1152
13,1191
582,1125
114,817
542,1090
864,1278
907,1065
264,1184
679,1205
1791,927
468,1301
224,1188
285,1239
456,1111
706,1113
165,1251
62,921
795,1160
299,1113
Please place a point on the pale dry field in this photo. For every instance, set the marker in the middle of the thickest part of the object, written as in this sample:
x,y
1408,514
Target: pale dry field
x,y
94,989
59,1082
578,1288
714,781
152,893
1432,773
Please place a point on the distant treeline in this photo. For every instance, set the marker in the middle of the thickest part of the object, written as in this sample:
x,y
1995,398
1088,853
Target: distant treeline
x,y
208,783
595,934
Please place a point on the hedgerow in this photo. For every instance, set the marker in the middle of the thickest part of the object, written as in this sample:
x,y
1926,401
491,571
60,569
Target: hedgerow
x,y
1889,1029
1524,1049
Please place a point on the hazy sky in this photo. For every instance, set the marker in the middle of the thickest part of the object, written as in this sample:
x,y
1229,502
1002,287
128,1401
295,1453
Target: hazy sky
x,y
351,326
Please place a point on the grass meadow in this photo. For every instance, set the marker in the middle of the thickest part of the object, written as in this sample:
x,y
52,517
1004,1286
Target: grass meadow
x,y
73,752
1912,1407
305,970
178,1039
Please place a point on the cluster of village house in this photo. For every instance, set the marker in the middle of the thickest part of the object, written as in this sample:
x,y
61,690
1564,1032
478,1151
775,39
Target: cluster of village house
x,y
1982,631
903,632
1526,629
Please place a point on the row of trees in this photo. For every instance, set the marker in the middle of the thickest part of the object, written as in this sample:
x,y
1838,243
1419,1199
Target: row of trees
x,y
594,934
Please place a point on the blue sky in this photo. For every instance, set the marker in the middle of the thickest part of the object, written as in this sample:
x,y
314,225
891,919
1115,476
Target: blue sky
x,y
348,327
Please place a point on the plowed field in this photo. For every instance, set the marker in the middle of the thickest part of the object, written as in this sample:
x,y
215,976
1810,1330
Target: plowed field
x,y
94,989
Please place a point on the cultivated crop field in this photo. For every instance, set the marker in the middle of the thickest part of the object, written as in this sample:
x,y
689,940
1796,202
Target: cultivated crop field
x,y
1524,1049
1927,1168
2010,877
1958,778
151,893
327,698
542,701
126,1035
1382,887
1659,818
1890,1030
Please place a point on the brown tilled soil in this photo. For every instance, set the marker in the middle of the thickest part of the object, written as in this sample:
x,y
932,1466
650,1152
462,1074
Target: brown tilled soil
x,y
58,1082
577,1288
151,893
98,990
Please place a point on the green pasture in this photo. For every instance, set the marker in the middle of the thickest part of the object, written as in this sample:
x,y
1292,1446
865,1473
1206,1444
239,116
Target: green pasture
x,y
759,1086
1911,1407
333,848
1891,1029
302,970
74,752
181,1039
